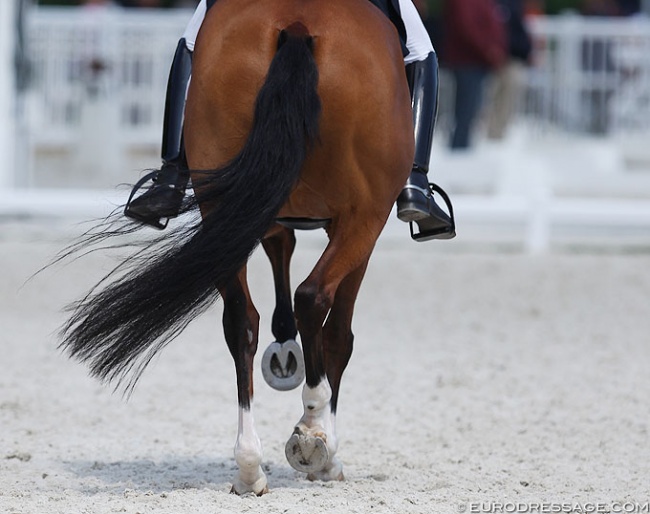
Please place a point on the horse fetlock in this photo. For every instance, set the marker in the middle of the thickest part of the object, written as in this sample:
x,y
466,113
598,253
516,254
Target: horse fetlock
x,y
317,399
245,483
248,458
248,454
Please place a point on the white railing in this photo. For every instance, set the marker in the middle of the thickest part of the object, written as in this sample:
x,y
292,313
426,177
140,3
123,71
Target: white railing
x,y
98,90
94,110
7,93
590,75
85,56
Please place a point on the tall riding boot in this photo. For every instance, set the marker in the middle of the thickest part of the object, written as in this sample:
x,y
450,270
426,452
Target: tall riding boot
x,y
415,203
164,198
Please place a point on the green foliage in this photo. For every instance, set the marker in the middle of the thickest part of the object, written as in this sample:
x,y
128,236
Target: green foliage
x,y
434,6
557,6
58,2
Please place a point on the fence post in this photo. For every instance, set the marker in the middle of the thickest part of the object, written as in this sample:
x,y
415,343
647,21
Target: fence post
x,y
7,92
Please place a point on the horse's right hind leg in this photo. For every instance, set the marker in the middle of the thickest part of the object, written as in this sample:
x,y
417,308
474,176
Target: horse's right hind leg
x,y
331,289
337,350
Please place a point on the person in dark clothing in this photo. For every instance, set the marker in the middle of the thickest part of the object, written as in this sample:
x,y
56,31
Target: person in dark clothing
x,y
508,81
416,204
628,7
475,45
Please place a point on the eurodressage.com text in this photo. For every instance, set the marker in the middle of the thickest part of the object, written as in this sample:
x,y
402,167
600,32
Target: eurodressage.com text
x,y
627,507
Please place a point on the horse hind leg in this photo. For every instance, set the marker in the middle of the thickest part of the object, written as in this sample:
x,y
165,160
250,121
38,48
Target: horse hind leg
x,y
241,326
279,247
313,445
282,364
337,346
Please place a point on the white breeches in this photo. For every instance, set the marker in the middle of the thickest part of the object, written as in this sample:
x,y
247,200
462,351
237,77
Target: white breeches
x,y
417,39
192,29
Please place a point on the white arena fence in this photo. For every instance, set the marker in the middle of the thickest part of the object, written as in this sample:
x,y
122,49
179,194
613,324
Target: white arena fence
x,y
80,56
587,75
590,74
92,116
98,80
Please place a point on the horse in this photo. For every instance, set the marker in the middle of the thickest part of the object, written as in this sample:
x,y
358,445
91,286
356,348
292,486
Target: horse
x,y
298,115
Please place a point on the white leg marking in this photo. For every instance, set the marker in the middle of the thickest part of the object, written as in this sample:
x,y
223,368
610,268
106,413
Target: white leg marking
x,y
312,447
333,469
316,401
248,455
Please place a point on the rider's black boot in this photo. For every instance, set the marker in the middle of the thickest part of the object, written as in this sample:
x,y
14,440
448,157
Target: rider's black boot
x,y
416,203
164,198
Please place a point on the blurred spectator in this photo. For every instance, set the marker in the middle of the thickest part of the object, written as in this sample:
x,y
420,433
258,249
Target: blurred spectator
x,y
474,45
533,8
599,8
508,81
148,3
142,3
97,3
610,7
628,7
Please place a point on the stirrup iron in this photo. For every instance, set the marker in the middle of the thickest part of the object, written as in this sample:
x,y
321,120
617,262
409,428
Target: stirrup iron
x,y
438,233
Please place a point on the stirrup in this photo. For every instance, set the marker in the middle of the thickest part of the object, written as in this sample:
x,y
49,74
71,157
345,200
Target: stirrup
x,y
151,221
425,234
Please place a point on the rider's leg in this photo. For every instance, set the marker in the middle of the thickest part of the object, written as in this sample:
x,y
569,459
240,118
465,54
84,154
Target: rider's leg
x,y
164,197
416,202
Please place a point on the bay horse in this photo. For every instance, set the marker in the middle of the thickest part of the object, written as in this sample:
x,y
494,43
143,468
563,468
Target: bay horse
x,y
298,115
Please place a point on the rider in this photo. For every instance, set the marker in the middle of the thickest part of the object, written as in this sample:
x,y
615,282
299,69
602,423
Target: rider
x,y
164,198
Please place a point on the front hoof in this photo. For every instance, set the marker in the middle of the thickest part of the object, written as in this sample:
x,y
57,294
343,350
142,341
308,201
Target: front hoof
x,y
306,453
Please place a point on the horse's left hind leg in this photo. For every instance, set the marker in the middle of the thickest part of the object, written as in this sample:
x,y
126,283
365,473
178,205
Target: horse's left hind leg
x,y
279,246
241,326
282,362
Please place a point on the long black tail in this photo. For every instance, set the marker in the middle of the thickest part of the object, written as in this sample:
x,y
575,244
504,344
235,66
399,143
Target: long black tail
x,y
118,328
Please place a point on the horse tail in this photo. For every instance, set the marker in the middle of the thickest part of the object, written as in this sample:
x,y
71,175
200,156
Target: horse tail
x,y
118,328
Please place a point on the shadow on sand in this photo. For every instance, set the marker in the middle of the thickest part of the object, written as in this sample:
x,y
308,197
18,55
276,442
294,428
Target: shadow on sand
x,y
173,473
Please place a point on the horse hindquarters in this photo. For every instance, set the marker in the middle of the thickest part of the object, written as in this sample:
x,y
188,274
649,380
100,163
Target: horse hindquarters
x,y
285,123
365,158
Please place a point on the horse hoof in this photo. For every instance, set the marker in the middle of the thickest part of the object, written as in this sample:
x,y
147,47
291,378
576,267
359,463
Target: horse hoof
x,y
306,453
283,365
